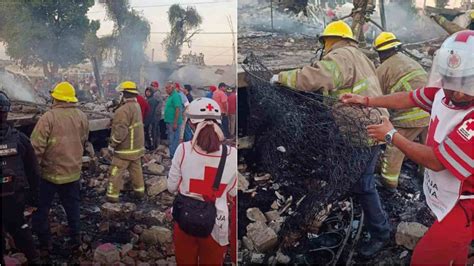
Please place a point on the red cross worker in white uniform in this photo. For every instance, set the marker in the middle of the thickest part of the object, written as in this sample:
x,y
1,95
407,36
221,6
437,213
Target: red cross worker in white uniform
x,y
448,154
193,172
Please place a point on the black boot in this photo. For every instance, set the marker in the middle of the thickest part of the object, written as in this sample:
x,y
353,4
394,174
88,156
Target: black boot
x,y
369,248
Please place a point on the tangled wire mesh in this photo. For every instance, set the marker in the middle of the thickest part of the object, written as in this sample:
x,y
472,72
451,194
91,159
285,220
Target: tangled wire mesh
x,y
308,141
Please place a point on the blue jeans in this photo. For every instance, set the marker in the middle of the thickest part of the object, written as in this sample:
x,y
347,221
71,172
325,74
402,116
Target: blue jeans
x,y
173,138
69,195
225,125
376,222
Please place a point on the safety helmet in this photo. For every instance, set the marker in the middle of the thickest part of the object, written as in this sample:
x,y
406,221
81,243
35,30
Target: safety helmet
x,y
65,92
4,102
472,15
386,41
337,29
128,86
203,108
453,64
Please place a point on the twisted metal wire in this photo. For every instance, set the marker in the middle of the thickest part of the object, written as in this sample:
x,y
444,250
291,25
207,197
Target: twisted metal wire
x,y
325,143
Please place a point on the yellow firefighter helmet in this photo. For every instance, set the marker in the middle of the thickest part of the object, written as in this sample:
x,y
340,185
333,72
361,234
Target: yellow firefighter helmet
x,y
128,86
65,92
385,41
338,29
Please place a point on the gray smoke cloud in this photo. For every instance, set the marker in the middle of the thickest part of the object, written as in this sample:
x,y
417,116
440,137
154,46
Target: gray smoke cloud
x,y
15,87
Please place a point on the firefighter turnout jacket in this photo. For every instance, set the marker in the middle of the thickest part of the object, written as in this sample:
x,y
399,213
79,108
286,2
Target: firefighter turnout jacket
x,y
58,140
127,138
400,73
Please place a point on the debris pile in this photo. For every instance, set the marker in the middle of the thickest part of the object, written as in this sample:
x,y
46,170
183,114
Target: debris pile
x,y
130,232
295,192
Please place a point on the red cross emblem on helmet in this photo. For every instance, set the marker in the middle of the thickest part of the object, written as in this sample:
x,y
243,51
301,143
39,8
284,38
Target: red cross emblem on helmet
x,y
210,107
454,60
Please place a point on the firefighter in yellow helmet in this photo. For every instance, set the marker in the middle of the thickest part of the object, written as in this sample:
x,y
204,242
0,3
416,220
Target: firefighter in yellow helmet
x,y
58,140
127,143
344,68
399,73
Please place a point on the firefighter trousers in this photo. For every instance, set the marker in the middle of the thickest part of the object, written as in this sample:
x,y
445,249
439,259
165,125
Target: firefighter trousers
x,y
14,223
392,158
116,171
447,242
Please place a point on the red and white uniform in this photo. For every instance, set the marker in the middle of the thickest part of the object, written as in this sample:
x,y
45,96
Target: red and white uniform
x,y
449,193
192,173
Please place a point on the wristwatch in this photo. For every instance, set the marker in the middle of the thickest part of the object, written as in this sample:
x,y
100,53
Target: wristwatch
x,y
389,136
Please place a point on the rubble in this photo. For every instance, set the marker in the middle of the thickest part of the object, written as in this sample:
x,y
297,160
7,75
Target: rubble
x,y
262,236
243,182
155,235
155,169
409,233
107,254
156,185
256,215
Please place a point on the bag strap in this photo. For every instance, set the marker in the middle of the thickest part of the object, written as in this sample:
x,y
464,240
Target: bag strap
x,y
220,168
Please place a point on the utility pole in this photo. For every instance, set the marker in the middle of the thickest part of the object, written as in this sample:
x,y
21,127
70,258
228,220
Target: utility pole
x,y
271,12
231,25
382,14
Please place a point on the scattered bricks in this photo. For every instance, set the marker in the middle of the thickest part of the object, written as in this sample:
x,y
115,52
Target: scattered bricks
x,y
155,169
276,225
263,237
125,249
155,235
106,254
128,260
272,215
143,254
166,198
257,258
248,244
243,182
156,217
409,233
111,210
156,185
256,215
132,253
128,209
104,227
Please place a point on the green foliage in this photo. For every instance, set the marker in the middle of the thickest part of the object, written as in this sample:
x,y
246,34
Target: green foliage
x,y
182,22
46,32
131,33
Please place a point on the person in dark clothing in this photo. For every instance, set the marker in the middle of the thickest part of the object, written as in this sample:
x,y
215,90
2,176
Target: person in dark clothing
x,y
187,91
152,136
20,175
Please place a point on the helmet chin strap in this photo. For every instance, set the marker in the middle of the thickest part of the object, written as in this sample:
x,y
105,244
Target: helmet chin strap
x,y
201,125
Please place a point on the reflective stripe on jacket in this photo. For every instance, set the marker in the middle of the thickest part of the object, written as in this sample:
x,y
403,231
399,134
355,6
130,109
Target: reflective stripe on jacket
x,y
127,137
400,73
344,69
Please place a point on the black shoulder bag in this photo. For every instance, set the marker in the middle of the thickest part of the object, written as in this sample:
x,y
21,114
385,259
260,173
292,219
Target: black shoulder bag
x,y
196,217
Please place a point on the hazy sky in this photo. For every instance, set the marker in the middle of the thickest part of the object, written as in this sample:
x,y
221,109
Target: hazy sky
x,y
217,48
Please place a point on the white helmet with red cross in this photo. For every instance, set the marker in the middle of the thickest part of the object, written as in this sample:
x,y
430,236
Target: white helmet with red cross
x,y
201,109
453,64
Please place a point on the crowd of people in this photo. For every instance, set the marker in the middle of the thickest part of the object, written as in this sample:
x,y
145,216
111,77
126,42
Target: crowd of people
x,y
437,110
203,170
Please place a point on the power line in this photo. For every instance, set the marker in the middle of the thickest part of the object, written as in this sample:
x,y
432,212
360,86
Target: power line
x,y
166,5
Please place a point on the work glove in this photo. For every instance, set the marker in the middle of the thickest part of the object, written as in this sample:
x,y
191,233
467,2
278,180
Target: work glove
x,y
274,79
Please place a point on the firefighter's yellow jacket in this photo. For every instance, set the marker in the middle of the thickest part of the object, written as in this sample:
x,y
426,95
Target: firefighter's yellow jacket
x,y
401,73
58,139
128,138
